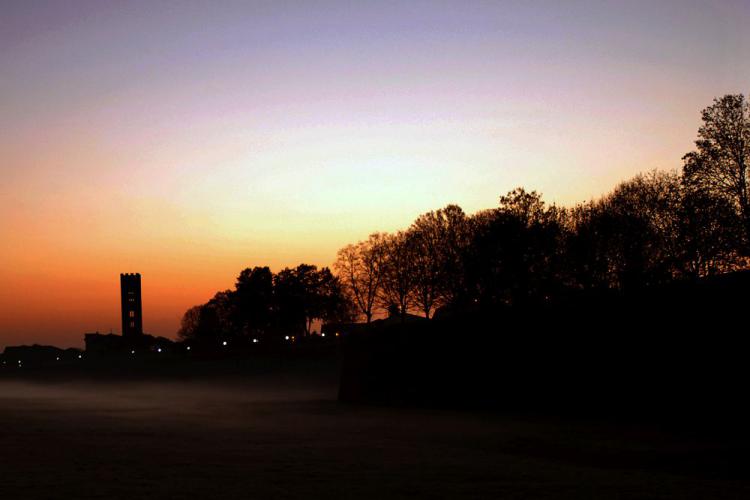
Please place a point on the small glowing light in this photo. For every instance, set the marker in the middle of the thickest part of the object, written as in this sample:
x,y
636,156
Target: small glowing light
x,y
337,334
158,350
255,341
188,348
286,338
80,356
224,343
57,358
132,352
322,334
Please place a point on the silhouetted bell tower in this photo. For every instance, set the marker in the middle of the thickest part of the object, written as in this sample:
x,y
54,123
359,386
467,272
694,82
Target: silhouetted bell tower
x,y
130,294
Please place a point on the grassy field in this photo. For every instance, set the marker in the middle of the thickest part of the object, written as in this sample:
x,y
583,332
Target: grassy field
x,y
283,435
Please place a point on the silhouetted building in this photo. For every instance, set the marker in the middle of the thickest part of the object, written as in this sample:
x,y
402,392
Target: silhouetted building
x,y
132,317
132,339
109,344
98,343
391,320
30,355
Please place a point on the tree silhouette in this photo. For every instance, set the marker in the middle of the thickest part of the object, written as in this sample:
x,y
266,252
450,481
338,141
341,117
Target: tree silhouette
x,y
398,272
254,301
306,294
360,268
268,306
649,230
708,234
208,322
514,250
190,324
441,241
720,162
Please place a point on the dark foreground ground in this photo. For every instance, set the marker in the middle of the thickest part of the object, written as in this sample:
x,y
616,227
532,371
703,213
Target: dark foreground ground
x,y
282,434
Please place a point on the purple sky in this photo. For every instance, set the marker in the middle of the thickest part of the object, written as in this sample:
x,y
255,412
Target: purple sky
x,y
188,140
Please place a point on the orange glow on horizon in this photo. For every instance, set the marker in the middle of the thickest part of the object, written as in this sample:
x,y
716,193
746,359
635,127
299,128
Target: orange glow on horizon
x,y
189,143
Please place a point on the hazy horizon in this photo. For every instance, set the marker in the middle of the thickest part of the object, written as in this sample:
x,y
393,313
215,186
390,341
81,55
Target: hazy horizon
x,y
189,140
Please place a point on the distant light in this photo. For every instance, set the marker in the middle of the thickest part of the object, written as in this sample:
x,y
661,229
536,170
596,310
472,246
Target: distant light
x,y
337,334
19,361
224,343
286,338
57,358
322,334
188,348
132,352
80,356
158,350
255,341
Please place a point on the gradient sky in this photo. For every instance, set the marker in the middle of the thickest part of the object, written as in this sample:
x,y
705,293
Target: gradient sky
x,y
188,140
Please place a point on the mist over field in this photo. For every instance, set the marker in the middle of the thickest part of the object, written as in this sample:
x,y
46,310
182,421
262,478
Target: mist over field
x,y
285,436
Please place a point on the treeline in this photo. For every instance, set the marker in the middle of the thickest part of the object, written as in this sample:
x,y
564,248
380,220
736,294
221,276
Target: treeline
x,y
267,306
652,229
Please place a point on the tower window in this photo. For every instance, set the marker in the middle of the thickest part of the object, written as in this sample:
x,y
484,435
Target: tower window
x,y
132,314
132,324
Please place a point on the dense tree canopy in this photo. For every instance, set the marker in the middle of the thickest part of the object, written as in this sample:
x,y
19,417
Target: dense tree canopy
x,y
267,306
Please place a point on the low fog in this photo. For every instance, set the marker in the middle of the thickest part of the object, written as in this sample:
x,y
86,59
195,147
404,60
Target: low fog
x,y
273,436
202,401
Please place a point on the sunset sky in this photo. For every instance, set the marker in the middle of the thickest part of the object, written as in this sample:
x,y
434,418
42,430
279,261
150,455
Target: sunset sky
x,y
189,140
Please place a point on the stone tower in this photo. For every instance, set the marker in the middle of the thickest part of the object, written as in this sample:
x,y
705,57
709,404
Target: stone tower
x,y
130,295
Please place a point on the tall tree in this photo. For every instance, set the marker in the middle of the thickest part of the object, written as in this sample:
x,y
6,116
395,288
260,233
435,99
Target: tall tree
x,y
289,301
306,294
514,250
399,275
440,240
254,298
360,269
720,162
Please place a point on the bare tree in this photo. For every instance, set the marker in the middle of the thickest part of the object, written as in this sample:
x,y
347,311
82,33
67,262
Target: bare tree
x,y
360,269
398,276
